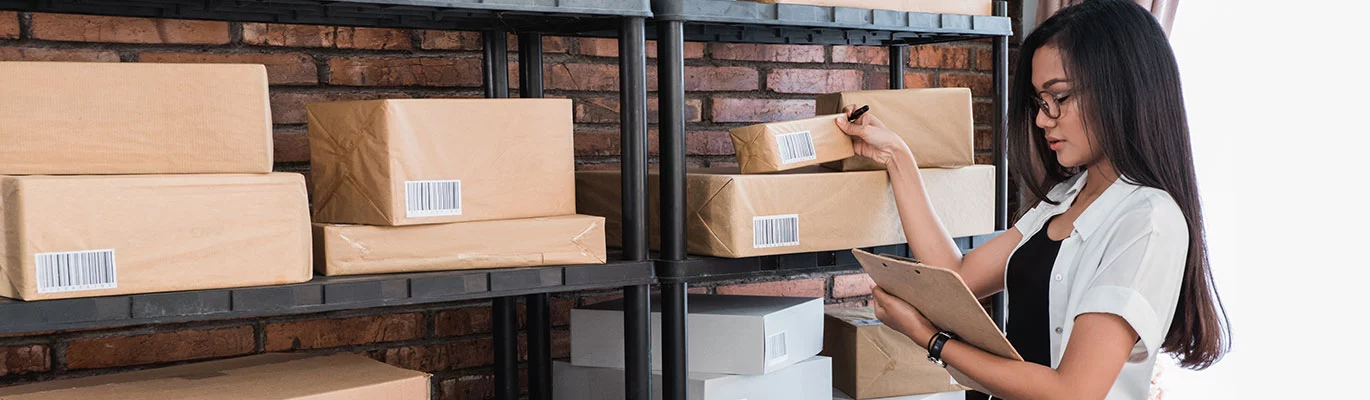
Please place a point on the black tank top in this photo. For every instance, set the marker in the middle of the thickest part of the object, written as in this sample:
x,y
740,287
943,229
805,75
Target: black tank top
x,y
1029,284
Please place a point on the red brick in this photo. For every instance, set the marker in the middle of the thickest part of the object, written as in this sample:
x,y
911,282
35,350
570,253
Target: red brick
x,y
797,288
767,52
845,304
463,321
984,139
606,143
428,71
716,79
322,333
592,300
281,69
470,387
288,35
813,81
47,54
917,80
291,145
983,113
709,143
373,38
760,110
980,85
19,360
599,47
561,345
117,351
984,159
869,55
289,108
576,76
939,56
446,356
450,40
844,286
90,28
604,110
561,311
9,25
984,59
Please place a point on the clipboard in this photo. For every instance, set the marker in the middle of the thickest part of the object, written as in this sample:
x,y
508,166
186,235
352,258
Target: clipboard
x,y
944,299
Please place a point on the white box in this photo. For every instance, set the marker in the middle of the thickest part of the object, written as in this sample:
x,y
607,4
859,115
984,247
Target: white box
x,y
749,335
807,380
838,395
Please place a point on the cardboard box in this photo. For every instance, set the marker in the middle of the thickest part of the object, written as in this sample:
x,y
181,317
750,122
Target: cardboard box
x,y
807,380
838,395
363,249
936,123
750,335
275,376
779,146
835,211
965,7
426,161
128,234
871,360
60,118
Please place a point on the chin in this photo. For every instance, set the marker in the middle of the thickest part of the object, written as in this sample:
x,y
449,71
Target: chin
x,y
1067,161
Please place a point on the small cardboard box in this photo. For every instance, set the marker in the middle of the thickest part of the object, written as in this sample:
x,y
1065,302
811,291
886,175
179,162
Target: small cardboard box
x,y
363,249
426,161
734,215
749,335
86,236
807,380
60,118
274,376
871,360
838,395
779,146
964,7
936,123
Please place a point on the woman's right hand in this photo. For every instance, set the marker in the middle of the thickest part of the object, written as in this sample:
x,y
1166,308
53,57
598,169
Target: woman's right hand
x,y
870,137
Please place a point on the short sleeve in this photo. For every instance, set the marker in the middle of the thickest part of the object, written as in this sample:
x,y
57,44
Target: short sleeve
x,y
1140,274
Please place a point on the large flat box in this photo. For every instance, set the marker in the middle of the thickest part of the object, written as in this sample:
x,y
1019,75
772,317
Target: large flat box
x,y
871,360
59,118
364,249
936,123
274,376
427,161
965,7
780,146
734,215
85,236
838,395
749,335
807,380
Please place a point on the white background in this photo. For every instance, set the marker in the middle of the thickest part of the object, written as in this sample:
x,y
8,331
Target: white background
x,y
1276,94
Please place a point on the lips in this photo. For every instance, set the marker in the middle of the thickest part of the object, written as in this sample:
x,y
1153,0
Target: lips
x,y
1055,144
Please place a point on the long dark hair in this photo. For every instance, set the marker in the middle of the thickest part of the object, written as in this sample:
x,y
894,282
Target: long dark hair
x,y
1127,85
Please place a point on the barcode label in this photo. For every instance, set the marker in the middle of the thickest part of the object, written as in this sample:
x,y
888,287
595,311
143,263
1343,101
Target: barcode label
x,y
775,231
796,147
775,349
72,271
432,198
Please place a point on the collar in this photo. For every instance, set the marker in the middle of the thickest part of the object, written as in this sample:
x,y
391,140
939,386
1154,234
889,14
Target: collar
x,y
1093,217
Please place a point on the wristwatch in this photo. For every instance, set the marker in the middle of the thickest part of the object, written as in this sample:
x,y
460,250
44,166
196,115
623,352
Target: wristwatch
x,y
935,346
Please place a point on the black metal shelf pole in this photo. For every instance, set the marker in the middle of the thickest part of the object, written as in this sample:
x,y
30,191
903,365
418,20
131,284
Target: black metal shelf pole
x,y
898,58
1000,53
637,328
538,305
671,90
505,309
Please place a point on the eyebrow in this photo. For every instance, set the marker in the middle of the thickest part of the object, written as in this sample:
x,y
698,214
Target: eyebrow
x,y
1053,81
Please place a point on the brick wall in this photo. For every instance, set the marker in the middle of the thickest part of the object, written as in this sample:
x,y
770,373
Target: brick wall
x,y
729,85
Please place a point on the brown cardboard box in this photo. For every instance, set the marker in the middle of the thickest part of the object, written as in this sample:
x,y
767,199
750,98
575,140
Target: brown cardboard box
x,y
936,123
966,7
60,118
274,376
461,159
361,249
835,210
86,236
871,360
779,146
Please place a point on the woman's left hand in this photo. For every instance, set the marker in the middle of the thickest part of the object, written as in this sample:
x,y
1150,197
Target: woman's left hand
x,y
902,316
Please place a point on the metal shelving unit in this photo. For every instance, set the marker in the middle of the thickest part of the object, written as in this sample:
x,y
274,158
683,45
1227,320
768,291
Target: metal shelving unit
x,y
530,19
749,22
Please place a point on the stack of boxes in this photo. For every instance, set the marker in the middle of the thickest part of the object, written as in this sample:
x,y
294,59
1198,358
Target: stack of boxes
x,y
741,347
445,184
873,361
138,178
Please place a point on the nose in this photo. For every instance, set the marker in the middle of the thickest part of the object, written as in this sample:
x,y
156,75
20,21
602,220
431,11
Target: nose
x,y
1043,121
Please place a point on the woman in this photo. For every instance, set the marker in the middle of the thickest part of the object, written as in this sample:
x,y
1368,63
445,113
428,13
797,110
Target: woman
x,y
1109,268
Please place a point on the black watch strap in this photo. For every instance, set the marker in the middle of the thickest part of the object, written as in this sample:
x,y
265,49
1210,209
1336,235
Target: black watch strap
x,y
935,346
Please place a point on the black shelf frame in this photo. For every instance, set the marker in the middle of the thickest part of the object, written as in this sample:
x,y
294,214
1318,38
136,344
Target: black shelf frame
x,y
630,269
675,21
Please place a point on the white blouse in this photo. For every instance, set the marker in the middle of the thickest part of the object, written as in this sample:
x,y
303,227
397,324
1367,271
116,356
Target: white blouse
x,y
1126,256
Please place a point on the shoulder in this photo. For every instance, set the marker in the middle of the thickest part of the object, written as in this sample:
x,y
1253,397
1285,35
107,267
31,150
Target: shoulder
x,y
1151,211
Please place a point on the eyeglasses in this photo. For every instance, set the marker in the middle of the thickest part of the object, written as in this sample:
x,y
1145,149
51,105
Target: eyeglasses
x,y
1051,102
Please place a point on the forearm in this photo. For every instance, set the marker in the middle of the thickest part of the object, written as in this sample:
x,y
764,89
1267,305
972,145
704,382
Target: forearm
x,y
1006,378
928,239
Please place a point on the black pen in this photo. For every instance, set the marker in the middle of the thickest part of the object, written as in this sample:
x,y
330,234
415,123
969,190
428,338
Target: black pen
x,y
855,115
